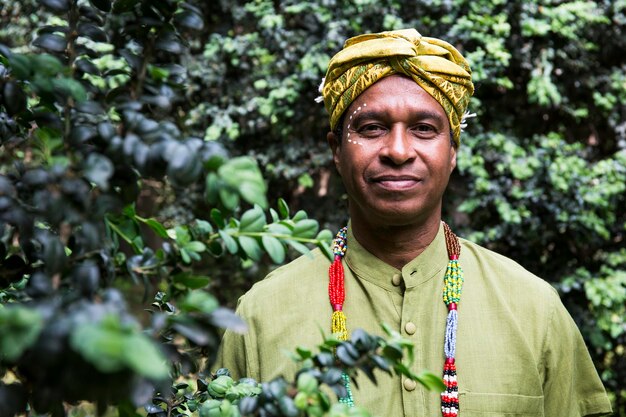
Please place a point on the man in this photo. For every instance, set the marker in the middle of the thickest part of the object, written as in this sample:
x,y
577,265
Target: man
x,y
396,102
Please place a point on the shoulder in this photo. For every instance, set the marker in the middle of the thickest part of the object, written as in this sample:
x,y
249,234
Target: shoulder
x,y
504,277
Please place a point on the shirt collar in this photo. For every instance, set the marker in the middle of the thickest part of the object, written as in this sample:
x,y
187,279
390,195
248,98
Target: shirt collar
x,y
429,264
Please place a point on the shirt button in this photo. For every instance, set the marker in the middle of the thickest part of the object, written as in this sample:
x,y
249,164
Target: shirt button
x,y
409,384
396,279
410,328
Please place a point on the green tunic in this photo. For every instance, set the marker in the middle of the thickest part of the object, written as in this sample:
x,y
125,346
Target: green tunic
x,y
518,352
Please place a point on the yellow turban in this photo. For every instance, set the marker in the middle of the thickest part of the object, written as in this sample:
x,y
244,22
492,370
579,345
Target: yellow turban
x,y
433,64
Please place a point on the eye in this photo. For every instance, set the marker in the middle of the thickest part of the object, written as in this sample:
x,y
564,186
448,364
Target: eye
x,y
424,130
371,130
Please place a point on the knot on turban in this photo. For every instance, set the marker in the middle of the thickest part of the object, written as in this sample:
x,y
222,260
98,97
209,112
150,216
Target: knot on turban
x,y
435,65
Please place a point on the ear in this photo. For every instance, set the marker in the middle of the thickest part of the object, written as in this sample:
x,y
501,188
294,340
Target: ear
x,y
452,158
335,146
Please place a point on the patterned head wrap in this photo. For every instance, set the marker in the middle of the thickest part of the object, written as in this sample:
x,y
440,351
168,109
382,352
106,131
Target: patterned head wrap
x,y
433,64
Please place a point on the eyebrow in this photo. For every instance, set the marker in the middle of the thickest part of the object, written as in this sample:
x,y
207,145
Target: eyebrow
x,y
373,114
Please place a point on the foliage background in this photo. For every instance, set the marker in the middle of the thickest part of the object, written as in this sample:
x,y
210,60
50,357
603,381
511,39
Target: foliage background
x,y
542,169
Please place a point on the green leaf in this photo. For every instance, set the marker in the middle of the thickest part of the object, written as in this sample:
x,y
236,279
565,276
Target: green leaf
x,y
218,218
143,356
21,66
300,215
111,346
244,175
211,188
191,281
70,87
203,227
156,227
199,301
279,229
229,242
306,228
195,246
229,198
251,247
182,236
299,247
20,327
325,248
252,220
254,193
274,248
283,209
185,255
431,381
47,64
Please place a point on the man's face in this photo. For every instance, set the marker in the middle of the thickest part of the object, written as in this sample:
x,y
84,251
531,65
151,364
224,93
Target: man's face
x,y
395,156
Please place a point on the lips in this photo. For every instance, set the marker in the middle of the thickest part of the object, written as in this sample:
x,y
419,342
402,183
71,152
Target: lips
x,y
395,182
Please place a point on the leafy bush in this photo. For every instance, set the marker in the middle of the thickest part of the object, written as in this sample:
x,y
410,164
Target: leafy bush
x,y
143,141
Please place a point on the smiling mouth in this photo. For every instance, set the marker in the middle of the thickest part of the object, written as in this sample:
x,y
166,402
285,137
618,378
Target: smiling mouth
x,y
395,183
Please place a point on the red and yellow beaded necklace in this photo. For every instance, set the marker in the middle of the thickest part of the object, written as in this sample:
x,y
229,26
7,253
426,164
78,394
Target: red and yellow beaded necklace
x,y
453,283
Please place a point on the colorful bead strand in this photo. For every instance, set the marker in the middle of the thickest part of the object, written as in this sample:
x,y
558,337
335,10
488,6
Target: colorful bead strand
x,y
337,295
452,286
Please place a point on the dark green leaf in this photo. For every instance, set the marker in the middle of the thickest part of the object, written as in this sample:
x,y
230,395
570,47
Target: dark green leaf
x,y
172,46
21,66
86,66
90,107
51,42
57,6
92,31
189,20
287,407
99,170
217,218
47,64
14,98
191,281
393,352
70,87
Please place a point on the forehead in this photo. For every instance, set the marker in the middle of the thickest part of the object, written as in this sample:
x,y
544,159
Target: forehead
x,y
397,93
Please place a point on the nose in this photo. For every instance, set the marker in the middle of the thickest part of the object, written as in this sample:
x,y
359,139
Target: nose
x,y
398,147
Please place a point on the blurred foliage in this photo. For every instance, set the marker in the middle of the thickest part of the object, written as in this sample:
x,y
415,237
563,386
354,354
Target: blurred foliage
x,y
143,141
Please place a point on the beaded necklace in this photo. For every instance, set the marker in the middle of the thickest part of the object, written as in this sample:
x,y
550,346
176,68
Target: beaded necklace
x,y
453,283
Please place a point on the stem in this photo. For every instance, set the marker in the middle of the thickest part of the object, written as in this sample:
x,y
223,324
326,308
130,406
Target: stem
x,y
261,234
72,34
